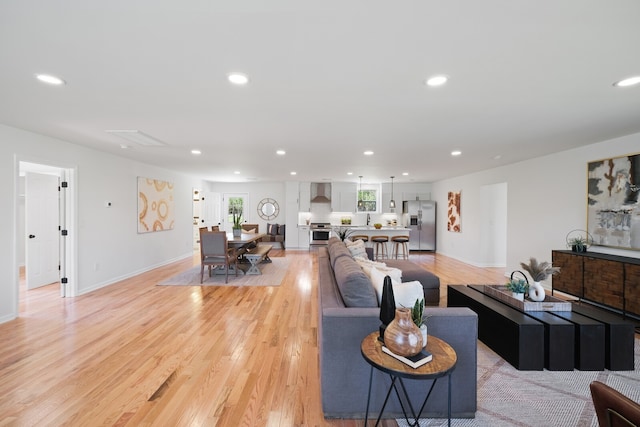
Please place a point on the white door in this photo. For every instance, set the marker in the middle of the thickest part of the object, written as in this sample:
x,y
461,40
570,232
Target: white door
x,y
231,200
210,213
41,226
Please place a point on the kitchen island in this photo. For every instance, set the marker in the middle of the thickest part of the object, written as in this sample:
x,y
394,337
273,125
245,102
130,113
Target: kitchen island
x,y
369,231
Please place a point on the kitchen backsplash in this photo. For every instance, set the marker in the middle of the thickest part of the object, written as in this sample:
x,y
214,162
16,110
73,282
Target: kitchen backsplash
x,y
323,213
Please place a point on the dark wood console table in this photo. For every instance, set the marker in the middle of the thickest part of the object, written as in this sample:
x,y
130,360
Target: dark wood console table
x,y
609,280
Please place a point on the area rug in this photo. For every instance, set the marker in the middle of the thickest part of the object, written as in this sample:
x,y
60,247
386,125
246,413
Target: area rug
x,y
272,275
508,397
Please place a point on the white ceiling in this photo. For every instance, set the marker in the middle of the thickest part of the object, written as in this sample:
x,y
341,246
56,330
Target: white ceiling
x,y
328,80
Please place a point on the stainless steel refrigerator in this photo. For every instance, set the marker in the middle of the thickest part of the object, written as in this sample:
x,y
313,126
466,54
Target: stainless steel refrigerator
x,y
420,217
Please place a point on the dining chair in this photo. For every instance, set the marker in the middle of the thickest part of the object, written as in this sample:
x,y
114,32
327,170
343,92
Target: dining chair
x,y
214,251
613,408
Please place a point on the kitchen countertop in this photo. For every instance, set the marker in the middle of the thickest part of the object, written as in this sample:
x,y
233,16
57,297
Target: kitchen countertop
x,y
371,227
364,227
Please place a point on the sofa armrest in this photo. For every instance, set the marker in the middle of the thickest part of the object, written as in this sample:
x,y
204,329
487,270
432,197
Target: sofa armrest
x,y
344,373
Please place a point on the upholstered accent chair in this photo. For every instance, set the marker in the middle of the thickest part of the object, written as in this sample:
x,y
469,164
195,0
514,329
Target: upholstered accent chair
x,y
214,251
613,408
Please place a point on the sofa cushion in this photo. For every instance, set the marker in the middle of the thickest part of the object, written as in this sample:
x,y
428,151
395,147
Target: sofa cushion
x,y
281,229
272,229
412,271
333,240
357,248
337,250
355,287
405,294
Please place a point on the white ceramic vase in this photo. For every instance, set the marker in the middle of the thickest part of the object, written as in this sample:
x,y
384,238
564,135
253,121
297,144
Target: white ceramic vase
x,y
536,292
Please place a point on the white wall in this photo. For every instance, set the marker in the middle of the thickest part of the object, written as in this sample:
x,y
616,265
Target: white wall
x,y
493,225
546,198
256,191
108,245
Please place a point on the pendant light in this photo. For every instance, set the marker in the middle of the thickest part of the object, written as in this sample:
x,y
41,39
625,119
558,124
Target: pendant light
x,y
392,203
360,202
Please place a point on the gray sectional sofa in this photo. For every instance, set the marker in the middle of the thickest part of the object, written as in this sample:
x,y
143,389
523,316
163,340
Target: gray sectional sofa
x,y
344,373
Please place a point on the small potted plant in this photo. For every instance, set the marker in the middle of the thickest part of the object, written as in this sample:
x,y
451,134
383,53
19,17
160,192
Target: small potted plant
x,y
579,240
237,222
416,314
342,232
518,287
577,244
377,225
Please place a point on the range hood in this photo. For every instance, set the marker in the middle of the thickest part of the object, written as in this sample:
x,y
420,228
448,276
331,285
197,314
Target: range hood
x,y
320,192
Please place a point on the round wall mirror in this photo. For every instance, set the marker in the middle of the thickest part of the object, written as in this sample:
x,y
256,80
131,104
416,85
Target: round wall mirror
x,y
268,209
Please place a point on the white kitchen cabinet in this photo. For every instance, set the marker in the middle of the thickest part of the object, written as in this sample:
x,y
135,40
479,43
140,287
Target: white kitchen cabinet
x,y
292,193
414,196
343,197
303,236
304,199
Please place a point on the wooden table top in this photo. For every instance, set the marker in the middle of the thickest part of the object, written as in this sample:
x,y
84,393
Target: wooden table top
x,y
244,239
444,359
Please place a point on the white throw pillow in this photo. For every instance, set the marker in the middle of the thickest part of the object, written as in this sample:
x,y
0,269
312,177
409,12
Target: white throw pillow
x,y
366,264
405,294
357,249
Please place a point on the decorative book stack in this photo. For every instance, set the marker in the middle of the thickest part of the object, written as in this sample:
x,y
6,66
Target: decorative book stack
x,y
414,361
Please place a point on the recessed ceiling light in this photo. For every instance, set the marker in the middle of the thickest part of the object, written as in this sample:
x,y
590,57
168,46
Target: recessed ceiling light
x,y
293,173
281,152
456,153
196,152
236,172
52,80
349,173
437,80
238,78
631,81
497,157
368,153
405,173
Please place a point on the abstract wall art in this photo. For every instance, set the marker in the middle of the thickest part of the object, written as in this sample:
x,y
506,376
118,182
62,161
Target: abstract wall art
x,y
453,212
613,212
155,205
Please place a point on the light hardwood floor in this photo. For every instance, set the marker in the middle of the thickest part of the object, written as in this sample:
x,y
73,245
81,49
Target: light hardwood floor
x,y
137,354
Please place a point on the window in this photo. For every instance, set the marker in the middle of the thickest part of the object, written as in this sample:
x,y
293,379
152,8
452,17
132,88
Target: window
x,y
234,203
369,194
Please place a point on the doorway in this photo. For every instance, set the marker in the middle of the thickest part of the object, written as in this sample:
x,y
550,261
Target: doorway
x,y
45,232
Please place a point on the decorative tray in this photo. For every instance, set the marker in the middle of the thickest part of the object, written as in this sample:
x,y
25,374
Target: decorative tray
x,y
550,303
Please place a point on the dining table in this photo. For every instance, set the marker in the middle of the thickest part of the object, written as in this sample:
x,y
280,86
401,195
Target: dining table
x,y
241,244
244,240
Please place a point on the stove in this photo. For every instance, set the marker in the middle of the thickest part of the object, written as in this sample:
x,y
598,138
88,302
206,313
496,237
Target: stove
x,y
319,233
